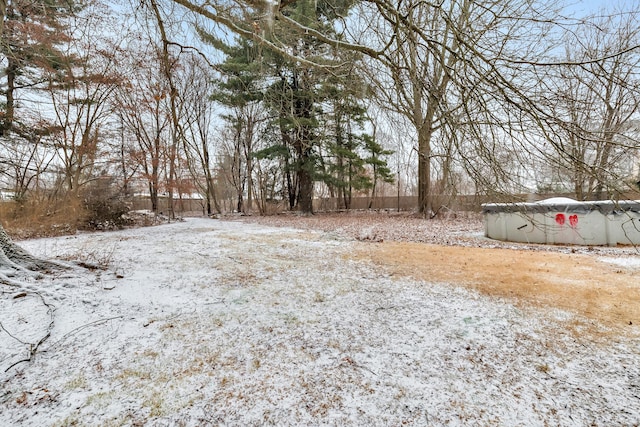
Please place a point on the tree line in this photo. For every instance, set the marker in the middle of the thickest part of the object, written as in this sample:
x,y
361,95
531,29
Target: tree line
x,y
269,102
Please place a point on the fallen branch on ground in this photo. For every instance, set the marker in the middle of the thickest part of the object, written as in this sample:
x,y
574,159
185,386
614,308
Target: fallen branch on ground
x,y
33,347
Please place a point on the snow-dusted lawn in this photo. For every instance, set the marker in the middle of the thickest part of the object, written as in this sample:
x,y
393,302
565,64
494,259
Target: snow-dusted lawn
x,y
207,322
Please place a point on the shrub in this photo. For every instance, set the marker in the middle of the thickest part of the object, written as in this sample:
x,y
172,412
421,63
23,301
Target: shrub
x,y
40,215
105,207
98,206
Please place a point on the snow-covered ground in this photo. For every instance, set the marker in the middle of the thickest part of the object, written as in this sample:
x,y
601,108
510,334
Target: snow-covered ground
x,y
208,322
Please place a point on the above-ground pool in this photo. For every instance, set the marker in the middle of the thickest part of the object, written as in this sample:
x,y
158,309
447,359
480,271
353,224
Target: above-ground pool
x,y
562,220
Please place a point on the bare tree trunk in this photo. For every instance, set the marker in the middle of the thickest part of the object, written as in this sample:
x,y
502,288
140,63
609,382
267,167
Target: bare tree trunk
x,y
291,184
11,72
424,171
172,177
3,13
153,194
211,193
303,145
374,183
171,181
248,153
14,257
176,134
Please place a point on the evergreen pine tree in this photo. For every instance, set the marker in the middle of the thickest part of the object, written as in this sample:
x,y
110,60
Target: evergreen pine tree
x,y
32,33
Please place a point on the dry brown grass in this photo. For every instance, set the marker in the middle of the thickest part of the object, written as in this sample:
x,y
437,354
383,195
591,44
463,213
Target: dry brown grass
x,y
41,217
450,251
577,283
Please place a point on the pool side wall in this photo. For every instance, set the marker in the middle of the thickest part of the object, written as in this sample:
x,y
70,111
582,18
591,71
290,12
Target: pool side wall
x,y
579,223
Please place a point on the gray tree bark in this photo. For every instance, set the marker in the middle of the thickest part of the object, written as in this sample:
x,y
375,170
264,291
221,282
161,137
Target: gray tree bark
x,y
13,257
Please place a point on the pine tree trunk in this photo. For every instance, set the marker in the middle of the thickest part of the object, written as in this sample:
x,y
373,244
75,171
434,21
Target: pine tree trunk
x,y
305,200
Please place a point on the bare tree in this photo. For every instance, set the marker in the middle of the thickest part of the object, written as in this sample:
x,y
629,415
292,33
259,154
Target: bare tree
x,y
142,103
196,84
81,99
442,72
25,159
593,106
243,124
168,63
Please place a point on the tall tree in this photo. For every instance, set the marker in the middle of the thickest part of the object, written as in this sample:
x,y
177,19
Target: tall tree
x,y
32,34
593,106
376,159
446,70
81,94
198,117
345,140
168,63
142,102
239,91
293,92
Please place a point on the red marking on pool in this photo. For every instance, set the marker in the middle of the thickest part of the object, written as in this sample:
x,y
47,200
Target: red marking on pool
x,y
573,220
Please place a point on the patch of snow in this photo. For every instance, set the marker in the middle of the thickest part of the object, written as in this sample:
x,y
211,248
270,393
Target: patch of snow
x,y
147,212
557,201
627,262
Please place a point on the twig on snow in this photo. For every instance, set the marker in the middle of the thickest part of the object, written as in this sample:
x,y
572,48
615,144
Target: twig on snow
x,y
33,347
79,328
5,280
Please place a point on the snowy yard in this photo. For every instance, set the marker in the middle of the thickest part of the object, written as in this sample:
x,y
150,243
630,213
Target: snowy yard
x,y
209,322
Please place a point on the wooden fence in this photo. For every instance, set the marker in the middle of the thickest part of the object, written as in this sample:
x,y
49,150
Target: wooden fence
x,y
444,204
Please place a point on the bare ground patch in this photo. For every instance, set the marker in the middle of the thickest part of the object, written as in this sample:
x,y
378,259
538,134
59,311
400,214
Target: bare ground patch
x,y
574,282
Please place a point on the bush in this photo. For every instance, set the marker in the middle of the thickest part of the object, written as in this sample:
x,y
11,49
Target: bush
x,y
40,215
99,206
105,208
